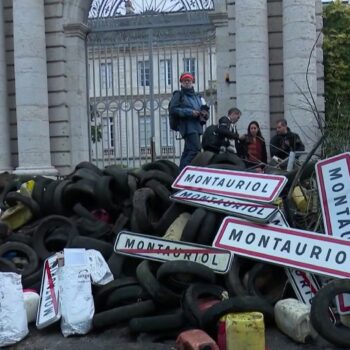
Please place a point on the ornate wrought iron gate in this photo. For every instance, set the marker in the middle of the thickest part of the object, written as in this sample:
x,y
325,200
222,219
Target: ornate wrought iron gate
x,y
133,67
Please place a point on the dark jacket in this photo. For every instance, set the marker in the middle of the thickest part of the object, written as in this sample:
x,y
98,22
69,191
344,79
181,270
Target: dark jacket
x,y
281,145
218,135
182,106
245,143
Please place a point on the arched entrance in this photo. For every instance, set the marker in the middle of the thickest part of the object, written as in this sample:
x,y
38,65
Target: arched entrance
x,y
134,60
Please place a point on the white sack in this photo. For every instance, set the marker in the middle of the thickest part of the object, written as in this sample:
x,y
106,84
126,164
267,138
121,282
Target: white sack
x,y
13,316
76,301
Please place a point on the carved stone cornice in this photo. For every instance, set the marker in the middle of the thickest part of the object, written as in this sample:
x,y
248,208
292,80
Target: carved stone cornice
x,y
219,19
79,30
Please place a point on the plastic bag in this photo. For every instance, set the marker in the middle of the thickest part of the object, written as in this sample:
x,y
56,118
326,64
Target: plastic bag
x,y
100,272
13,316
76,301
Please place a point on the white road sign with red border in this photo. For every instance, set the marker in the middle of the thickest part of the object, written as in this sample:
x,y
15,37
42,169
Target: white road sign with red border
x,y
49,308
159,249
291,247
249,210
237,184
304,284
333,178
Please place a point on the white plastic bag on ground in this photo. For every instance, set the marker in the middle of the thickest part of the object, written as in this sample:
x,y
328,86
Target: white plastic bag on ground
x,y
13,316
100,272
76,301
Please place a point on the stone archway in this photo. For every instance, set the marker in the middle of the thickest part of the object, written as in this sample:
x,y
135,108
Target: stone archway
x,y
75,15
76,11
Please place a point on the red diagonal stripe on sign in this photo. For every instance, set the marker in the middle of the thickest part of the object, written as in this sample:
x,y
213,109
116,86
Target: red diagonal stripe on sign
x,y
51,286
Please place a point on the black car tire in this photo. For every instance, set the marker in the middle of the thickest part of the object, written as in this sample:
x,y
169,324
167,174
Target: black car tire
x,y
23,250
173,273
159,293
336,334
123,313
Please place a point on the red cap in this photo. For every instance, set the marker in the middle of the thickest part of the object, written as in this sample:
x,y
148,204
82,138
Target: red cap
x,y
186,76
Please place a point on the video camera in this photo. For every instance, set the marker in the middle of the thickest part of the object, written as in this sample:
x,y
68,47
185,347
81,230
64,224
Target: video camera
x,y
204,114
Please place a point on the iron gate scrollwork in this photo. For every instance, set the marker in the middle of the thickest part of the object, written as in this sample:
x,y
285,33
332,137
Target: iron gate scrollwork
x,y
133,68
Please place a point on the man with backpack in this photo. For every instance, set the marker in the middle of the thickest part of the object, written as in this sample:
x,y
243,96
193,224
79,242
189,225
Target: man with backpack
x,y
217,136
188,113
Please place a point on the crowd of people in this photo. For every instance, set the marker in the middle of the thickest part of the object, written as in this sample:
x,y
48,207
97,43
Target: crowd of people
x,y
192,114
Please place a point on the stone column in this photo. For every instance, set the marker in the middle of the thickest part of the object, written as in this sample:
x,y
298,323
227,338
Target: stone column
x,y
5,149
299,36
77,90
252,64
31,88
219,18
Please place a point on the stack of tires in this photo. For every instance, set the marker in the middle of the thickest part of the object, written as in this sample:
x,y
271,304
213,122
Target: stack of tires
x,y
89,207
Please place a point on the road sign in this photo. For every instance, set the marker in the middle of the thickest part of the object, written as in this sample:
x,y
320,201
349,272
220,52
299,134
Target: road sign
x,y
237,184
152,248
285,246
49,309
333,178
304,284
249,210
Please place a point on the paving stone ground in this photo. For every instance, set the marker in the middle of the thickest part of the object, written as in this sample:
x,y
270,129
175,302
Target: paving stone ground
x,y
120,338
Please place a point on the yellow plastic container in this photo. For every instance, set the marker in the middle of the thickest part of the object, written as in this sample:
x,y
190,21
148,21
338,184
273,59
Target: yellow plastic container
x,y
17,216
299,199
244,331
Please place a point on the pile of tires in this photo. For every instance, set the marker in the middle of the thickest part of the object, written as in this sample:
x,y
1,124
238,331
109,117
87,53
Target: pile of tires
x,y
89,207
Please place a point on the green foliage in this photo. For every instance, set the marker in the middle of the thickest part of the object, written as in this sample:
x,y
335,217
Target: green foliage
x,y
336,48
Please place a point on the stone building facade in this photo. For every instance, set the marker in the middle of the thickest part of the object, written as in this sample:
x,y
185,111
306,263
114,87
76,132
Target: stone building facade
x,y
263,48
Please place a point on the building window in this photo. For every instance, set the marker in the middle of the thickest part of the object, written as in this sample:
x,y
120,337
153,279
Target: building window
x,y
106,75
145,131
108,133
167,137
165,72
143,73
190,65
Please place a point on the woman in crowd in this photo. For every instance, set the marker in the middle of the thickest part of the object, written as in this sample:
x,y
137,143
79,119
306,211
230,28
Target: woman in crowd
x,y
254,147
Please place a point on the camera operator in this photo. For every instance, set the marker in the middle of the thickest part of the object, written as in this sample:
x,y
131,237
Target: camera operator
x,y
217,136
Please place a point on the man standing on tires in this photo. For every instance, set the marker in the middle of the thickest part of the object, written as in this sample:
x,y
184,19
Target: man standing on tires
x,y
192,114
